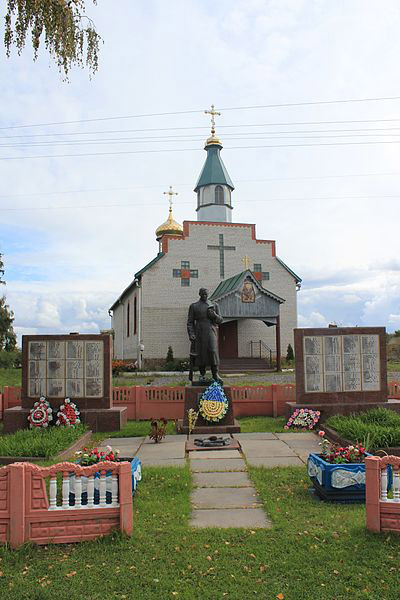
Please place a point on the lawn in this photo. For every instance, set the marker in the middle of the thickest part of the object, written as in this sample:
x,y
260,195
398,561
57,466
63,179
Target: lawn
x,y
314,550
10,377
378,427
38,442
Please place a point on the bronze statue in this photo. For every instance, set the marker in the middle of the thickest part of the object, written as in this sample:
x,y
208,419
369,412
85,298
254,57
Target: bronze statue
x,y
202,326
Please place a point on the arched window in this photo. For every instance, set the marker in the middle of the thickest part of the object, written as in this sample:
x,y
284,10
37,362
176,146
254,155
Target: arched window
x,y
219,194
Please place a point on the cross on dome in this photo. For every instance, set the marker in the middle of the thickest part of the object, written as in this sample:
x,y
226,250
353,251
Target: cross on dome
x,y
170,193
213,113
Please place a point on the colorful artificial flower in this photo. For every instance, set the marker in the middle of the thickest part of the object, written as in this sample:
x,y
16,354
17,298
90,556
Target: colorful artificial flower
x,y
213,404
335,454
303,419
41,414
68,414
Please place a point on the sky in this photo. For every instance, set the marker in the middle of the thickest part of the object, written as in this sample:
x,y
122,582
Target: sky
x,y
319,173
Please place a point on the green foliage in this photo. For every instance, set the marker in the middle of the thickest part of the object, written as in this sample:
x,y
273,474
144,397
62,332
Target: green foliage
x,y
8,339
10,377
397,333
170,355
68,34
380,426
11,359
289,353
40,442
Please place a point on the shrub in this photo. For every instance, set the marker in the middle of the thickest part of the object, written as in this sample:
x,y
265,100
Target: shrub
x,y
11,359
380,425
289,353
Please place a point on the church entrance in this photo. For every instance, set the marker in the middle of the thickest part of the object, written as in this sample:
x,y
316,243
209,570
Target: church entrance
x,y
228,340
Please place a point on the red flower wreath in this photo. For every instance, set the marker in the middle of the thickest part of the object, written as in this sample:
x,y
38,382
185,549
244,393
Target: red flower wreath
x,y
41,414
68,414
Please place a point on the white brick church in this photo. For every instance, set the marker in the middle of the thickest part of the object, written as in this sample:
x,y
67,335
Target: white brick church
x,y
255,290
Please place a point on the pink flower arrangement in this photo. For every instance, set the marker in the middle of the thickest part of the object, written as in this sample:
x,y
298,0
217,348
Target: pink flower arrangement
x,y
303,419
87,457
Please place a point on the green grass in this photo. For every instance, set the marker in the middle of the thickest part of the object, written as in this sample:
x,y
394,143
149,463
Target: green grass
x,y
261,424
10,377
379,425
314,550
44,443
393,366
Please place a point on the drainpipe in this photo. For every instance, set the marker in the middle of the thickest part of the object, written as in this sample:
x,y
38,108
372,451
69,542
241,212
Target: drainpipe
x,y
139,327
123,329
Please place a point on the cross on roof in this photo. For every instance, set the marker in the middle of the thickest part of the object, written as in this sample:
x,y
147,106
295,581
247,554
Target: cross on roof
x,y
212,112
170,193
246,260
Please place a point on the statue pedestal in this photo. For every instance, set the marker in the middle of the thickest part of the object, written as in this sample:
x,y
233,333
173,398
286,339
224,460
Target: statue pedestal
x,y
226,425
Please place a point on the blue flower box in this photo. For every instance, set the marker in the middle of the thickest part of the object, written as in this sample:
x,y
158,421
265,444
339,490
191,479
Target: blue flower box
x,y
337,482
136,468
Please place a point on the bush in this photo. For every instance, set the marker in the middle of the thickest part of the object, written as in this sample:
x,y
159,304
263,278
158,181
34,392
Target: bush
x,y
123,366
11,359
380,425
289,354
45,443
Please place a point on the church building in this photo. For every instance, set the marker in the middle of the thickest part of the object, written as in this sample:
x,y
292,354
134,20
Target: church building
x,y
254,289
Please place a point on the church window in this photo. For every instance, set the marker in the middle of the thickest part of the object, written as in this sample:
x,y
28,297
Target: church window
x,y
176,272
185,282
128,319
135,316
185,264
194,273
219,194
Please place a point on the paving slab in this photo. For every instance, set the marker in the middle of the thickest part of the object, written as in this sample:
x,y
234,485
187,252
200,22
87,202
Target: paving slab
x,y
225,498
227,479
172,450
167,439
278,461
308,435
267,448
128,447
249,518
255,436
199,454
123,441
158,462
218,464
304,444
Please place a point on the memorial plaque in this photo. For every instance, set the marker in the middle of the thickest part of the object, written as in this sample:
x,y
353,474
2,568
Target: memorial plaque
x,y
340,362
67,366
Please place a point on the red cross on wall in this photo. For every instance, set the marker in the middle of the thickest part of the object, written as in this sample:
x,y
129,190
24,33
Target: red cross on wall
x,y
185,273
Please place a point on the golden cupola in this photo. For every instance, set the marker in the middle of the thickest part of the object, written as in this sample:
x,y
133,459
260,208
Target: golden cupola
x,y
170,226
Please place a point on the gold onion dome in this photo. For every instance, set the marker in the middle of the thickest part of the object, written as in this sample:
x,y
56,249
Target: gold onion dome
x,y
170,226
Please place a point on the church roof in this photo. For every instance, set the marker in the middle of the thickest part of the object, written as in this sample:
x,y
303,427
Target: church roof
x,y
233,283
170,226
214,170
284,265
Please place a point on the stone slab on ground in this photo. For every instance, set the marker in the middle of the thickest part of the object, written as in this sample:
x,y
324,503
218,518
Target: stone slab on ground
x,y
195,455
220,498
168,439
304,444
277,461
249,518
163,451
159,462
128,447
253,448
255,436
308,435
220,480
218,464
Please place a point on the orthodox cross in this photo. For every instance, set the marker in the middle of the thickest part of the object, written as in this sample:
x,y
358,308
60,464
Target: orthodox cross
x,y
212,112
170,193
246,260
221,249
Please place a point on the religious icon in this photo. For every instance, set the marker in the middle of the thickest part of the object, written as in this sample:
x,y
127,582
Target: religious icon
x,y
248,294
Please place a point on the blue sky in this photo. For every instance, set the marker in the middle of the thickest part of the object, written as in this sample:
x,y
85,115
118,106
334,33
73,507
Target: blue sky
x,y
74,229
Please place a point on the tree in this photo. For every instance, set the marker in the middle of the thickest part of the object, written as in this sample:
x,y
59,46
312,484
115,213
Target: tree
x,y
289,353
8,339
69,35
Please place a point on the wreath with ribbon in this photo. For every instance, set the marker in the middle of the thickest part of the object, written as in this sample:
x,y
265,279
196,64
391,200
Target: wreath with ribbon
x,y
41,414
68,414
213,404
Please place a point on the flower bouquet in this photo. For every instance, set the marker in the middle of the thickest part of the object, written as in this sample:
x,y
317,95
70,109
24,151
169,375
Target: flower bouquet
x,y
87,457
68,414
337,455
41,414
303,419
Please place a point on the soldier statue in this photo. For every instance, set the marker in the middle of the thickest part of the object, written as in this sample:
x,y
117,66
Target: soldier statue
x,y
202,326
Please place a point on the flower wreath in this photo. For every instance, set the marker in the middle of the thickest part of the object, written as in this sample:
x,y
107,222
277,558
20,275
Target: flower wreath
x,y
213,404
303,418
41,414
68,414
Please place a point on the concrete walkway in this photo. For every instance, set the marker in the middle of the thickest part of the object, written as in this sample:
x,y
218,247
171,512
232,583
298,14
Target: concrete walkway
x,y
223,495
